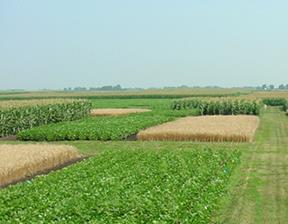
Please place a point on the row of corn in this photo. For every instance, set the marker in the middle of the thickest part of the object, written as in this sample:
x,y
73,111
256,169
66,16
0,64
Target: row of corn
x,y
13,120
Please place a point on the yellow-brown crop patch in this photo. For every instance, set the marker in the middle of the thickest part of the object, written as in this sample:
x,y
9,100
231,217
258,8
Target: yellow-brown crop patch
x,y
240,128
19,162
116,111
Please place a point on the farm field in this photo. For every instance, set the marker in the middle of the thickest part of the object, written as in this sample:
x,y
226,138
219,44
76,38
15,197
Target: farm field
x,y
95,128
18,162
143,112
115,112
126,186
20,115
9,104
138,181
105,128
239,128
138,94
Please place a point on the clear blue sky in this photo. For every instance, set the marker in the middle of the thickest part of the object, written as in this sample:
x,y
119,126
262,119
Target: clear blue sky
x,y
62,43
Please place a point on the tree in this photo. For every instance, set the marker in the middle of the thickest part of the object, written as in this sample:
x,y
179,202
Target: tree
x,y
264,86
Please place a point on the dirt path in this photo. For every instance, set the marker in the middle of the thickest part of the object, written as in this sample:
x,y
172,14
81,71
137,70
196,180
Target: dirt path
x,y
261,186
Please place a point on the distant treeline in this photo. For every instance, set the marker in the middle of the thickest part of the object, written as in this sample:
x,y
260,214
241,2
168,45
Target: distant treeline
x,y
272,87
119,96
120,88
103,88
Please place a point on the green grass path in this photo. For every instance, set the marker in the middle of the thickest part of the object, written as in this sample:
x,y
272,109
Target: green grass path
x,y
260,192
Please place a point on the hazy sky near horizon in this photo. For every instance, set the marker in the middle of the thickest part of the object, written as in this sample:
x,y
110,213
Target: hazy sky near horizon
x,y
57,44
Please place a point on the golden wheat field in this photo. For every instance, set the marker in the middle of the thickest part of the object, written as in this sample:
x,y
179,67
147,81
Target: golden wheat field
x,y
8,104
116,111
240,128
19,162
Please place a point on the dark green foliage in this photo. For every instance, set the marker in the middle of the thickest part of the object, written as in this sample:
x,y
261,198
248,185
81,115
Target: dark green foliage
x,y
219,106
100,128
126,186
275,101
282,102
285,107
16,119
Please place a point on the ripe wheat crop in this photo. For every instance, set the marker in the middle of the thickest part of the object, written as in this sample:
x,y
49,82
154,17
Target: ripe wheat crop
x,y
18,162
239,128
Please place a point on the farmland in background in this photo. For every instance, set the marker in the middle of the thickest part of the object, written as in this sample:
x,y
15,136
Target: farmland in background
x,y
9,104
219,106
150,94
132,181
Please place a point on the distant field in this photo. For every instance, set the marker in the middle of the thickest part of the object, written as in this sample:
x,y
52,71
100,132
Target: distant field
x,y
8,104
267,94
239,128
118,111
165,93
18,162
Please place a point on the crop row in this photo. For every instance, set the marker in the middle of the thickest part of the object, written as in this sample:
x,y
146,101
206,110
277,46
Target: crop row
x,y
9,104
13,120
275,101
126,186
98,128
282,102
225,106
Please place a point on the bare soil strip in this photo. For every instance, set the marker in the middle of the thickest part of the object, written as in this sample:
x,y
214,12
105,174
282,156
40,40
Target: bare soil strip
x,y
20,162
116,111
239,128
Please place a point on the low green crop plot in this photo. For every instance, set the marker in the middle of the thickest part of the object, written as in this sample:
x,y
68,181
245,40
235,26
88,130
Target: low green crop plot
x,y
100,128
131,186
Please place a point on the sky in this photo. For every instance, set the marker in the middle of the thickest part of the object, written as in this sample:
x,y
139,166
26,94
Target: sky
x,y
153,43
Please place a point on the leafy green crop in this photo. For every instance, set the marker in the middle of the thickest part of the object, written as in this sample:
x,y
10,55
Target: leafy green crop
x,y
222,106
14,120
275,101
131,186
99,128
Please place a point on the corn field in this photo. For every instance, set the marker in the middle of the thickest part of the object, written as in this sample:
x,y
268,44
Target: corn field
x,y
9,104
13,120
219,106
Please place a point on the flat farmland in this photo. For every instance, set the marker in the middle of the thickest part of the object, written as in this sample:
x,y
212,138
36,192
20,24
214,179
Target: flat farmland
x,y
139,181
127,185
239,128
136,94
